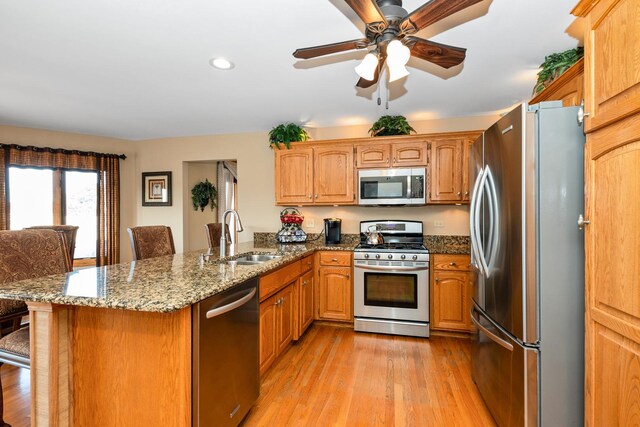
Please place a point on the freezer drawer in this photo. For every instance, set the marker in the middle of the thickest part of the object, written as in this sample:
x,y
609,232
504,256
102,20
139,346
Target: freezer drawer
x,y
505,372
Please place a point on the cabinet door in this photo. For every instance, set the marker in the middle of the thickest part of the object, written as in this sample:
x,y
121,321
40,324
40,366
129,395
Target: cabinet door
x,y
268,348
466,155
294,176
306,302
612,274
373,156
333,175
409,154
445,179
612,65
450,306
285,318
335,293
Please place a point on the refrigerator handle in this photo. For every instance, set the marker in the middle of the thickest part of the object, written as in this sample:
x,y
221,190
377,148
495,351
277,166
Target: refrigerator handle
x,y
474,200
493,337
494,222
476,224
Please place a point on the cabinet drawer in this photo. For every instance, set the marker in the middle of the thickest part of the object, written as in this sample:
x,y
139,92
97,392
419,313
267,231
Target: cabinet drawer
x,y
451,262
306,263
272,282
335,258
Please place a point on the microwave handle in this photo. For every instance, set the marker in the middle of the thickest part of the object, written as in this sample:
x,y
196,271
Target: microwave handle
x,y
409,189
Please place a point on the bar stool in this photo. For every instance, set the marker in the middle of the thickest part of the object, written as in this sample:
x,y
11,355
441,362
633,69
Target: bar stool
x,y
151,241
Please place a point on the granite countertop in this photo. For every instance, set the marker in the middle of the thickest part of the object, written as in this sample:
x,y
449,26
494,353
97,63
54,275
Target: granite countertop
x,y
161,284
172,282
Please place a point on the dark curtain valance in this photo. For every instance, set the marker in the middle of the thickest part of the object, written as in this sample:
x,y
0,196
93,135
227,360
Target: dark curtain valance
x,y
108,168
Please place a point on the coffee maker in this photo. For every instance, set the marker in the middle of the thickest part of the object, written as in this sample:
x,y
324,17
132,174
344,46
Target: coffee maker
x,y
332,230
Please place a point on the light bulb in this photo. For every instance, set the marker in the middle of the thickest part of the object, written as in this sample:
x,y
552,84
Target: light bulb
x,y
397,57
367,67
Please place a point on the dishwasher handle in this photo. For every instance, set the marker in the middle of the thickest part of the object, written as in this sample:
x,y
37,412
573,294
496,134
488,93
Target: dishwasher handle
x,y
231,306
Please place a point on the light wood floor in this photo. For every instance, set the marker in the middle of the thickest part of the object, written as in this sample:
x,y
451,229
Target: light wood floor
x,y
336,377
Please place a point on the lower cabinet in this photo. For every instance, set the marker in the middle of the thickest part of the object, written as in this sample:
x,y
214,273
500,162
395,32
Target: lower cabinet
x,y
451,291
305,305
286,308
335,289
276,326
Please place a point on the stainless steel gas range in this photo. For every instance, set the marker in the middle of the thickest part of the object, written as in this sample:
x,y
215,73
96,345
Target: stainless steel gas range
x,y
391,280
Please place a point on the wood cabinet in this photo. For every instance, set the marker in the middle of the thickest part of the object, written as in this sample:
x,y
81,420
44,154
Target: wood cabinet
x,y
276,326
333,175
315,175
568,88
397,155
449,156
612,60
305,295
612,207
294,176
335,288
451,288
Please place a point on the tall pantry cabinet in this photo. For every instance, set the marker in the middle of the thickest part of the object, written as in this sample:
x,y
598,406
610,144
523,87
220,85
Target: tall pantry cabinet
x,y
612,210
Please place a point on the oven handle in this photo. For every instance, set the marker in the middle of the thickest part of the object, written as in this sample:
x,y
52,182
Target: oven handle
x,y
392,269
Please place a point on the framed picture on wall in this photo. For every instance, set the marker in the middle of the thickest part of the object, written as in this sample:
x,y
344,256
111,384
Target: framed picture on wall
x,y
156,188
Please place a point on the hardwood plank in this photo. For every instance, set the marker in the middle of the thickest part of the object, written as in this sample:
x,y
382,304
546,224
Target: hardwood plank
x,y
17,396
335,376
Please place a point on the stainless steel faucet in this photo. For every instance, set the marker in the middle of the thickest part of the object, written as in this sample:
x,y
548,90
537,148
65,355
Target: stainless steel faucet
x,y
223,237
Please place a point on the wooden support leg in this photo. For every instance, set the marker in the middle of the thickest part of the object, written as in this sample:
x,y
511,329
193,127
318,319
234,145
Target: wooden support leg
x,y
51,392
2,423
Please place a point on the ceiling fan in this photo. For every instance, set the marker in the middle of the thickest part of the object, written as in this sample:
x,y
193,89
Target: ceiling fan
x,y
389,28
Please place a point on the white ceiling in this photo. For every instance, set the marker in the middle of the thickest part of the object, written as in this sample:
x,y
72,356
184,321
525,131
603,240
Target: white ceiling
x,y
140,69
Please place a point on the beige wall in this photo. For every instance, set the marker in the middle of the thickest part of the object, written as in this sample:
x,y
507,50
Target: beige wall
x,y
74,141
256,181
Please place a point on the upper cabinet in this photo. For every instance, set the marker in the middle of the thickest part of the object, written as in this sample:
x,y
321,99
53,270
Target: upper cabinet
x,y
310,175
567,88
325,172
449,167
612,66
391,155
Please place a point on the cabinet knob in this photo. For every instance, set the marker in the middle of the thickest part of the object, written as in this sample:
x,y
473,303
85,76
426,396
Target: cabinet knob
x,y
582,114
466,193
304,283
334,259
316,196
452,263
348,276
310,196
582,222
387,161
459,194
437,280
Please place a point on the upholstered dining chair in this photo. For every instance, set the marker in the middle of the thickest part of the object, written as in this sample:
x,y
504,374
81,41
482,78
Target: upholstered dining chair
x,y
214,232
27,254
151,241
69,231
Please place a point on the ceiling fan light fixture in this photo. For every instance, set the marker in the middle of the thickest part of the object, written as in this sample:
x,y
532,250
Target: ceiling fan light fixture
x,y
367,67
397,57
397,72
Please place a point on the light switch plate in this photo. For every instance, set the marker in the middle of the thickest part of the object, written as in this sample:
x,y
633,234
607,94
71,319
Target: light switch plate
x,y
438,223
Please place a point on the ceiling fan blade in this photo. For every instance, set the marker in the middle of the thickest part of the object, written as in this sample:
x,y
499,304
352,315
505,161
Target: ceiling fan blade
x,y
440,54
363,83
367,10
326,49
436,10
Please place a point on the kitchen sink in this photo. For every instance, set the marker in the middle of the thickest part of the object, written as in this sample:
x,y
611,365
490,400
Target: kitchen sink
x,y
253,259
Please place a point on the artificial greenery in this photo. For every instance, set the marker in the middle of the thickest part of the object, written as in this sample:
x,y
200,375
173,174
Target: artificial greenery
x,y
286,133
391,125
203,194
554,65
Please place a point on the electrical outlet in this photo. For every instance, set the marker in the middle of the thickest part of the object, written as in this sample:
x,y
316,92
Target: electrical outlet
x,y
311,223
438,224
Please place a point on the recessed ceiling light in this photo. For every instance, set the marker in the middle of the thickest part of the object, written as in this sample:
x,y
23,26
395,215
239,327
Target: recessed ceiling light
x,y
221,63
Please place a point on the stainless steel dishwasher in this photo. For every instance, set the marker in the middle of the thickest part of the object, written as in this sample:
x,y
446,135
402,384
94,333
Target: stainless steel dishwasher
x,y
225,360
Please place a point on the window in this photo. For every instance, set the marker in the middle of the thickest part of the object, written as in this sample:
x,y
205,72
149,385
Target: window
x,y
44,196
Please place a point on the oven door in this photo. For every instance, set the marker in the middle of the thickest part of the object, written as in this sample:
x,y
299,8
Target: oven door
x,y
397,293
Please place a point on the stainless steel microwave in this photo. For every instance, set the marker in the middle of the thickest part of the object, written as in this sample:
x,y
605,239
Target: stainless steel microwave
x,y
403,186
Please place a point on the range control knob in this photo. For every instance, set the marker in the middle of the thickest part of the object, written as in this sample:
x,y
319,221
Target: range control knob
x,y
403,256
415,257
366,256
390,256
377,256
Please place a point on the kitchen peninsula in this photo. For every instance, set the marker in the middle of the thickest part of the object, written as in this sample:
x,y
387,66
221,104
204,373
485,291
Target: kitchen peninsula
x,y
114,343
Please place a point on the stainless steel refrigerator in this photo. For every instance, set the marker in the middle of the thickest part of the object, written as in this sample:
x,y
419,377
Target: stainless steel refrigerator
x,y
528,256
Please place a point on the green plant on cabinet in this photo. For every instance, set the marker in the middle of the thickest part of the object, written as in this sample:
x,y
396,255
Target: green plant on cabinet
x,y
391,125
286,133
